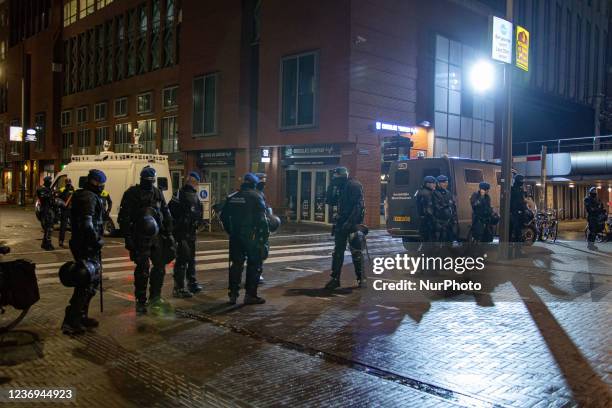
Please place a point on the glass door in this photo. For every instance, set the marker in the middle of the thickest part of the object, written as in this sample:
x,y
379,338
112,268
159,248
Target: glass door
x,y
219,185
305,196
312,188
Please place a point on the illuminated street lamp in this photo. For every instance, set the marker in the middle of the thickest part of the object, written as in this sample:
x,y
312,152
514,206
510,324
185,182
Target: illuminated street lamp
x,y
482,76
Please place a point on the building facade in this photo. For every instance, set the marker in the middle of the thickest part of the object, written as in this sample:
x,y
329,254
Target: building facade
x,y
292,89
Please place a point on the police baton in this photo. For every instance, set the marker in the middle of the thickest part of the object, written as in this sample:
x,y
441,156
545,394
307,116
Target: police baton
x,y
101,288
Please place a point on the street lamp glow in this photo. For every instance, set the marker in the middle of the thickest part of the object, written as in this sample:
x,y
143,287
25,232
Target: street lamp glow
x,y
482,76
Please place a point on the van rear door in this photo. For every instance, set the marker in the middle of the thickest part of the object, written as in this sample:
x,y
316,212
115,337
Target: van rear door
x,y
402,217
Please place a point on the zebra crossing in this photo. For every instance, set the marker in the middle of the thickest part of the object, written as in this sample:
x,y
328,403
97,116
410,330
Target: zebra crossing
x,y
216,259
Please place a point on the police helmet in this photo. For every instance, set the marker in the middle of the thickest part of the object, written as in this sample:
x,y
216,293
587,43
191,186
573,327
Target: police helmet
x,y
340,172
78,274
250,178
519,179
195,175
429,179
442,179
273,222
484,186
148,173
97,175
593,191
148,226
47,180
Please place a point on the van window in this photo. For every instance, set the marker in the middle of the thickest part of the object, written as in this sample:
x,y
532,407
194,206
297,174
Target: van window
x,y
162,183
473,176
59,183
402,178
82,181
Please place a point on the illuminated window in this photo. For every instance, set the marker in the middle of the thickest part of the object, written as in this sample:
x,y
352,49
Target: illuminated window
x,y
81,115
144,103
121,107
100,110
66,118
70,12
86,7
148,135
169,97
123,137
170,135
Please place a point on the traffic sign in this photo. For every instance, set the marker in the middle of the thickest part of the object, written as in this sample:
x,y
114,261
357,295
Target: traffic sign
x,y
501,40
522,48
204,192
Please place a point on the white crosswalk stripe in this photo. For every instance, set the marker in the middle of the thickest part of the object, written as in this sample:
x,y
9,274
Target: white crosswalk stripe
x,y
121,267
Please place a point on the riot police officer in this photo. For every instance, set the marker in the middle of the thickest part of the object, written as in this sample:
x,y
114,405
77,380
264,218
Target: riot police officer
x,y
85,244
445,211
46,199
186,210
596,216
244,219
518,209
347,194
425,210
65,195
483,217
146,224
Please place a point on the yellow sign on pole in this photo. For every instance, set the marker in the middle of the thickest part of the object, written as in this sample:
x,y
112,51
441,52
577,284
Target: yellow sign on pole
x,y
522,48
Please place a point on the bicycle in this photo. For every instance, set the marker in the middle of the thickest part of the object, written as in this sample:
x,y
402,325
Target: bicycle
x,y
549,226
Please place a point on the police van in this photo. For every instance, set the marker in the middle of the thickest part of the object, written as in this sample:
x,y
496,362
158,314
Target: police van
x,y
406,178
122,171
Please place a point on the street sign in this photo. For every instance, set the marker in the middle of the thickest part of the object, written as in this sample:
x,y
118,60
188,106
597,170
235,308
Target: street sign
x,y
522,48
501,40
204,192
204,196
16,134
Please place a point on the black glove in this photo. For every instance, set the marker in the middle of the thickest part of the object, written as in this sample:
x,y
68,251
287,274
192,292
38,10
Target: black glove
x,y
98,244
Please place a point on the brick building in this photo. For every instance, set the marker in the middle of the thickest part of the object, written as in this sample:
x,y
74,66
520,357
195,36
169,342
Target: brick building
x,y
290,88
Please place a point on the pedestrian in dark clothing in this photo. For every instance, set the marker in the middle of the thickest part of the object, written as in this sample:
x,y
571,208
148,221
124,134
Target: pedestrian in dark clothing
x,y
518,209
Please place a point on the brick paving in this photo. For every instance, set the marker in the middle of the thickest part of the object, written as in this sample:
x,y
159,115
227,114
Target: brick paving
x,y
538,336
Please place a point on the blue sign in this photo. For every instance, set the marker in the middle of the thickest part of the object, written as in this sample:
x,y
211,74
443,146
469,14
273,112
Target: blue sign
x,y
203,194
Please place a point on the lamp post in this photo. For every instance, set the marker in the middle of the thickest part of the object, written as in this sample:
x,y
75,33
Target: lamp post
x,y
506,174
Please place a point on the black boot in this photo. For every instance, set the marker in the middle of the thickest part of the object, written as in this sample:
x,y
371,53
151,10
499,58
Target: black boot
x,y
195,287
86,321
333,284
141,307
72,325
253,300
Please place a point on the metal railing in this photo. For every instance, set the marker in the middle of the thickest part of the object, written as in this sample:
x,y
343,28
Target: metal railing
x,y
575,144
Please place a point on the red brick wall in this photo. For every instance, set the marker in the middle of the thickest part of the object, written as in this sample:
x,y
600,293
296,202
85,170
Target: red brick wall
x,y
294,27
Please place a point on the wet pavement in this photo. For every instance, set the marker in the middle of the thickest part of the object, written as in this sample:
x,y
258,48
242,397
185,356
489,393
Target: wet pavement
x,y
537,334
